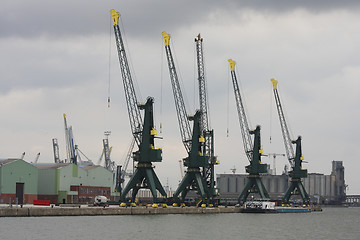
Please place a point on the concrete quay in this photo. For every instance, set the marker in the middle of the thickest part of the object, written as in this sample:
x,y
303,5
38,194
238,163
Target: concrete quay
x,y
112,210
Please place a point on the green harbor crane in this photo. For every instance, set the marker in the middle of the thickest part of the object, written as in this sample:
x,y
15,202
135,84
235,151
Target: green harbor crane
x,y
144,132
252,151
193,142
296,187
207,132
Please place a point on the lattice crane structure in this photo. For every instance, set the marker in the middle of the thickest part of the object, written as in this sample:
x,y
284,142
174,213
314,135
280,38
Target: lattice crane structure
x,y
144,132
207,132
296,187
192,140
253,151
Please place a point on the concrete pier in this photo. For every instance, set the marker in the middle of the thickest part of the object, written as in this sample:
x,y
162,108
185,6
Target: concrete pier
x,y
112,210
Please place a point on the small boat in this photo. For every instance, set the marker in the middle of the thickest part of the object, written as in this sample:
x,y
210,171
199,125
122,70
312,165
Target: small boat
x,y
258,207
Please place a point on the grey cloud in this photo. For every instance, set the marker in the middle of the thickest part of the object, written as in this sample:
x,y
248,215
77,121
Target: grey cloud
x,y
62,18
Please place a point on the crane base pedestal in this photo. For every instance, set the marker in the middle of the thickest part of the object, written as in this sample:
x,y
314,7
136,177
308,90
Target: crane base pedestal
x,y
296,184
192,176
144,177
253,185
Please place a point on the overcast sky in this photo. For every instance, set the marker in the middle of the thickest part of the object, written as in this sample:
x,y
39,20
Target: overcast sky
x,y
60,57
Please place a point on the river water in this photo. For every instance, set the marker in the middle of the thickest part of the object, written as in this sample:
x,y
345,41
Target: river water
x,y
331,223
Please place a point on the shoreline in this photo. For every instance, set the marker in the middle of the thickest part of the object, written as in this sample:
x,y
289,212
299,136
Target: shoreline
x,y
30,211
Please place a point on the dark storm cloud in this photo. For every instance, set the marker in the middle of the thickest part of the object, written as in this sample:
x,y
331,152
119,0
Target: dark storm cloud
x,y
59,18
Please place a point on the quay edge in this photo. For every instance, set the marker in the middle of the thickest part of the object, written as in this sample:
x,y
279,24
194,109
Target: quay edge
x,y
93,211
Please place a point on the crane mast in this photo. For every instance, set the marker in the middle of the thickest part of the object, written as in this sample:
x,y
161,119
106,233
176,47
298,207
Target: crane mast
x,y
130,95
193,141
56,150
208,148
253,151
144,132
108,164
70,145
204,120
182,116
296,187
244,126
284,128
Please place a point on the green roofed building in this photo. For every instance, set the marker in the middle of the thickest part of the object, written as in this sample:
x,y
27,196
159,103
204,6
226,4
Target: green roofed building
x,y
18,181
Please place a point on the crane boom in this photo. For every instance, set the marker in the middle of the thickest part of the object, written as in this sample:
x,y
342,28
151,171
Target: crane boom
x,y
182,116
130,95
245,130
56,150
208,147
108,164
204,120
284,128
70,145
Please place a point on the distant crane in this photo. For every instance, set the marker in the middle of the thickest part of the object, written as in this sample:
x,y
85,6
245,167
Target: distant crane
x,y
144,132
56,150
296,186
123,172
70,145
192,140
253,151
37,158
109,165
274,155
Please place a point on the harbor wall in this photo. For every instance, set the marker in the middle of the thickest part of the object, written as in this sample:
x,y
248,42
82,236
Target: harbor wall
x,y
92,211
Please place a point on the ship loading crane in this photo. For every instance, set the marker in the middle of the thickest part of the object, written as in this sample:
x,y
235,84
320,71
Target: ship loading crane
x,y
56,150
252,151
193,141
121,171
143,131
296,187
208,147
72,157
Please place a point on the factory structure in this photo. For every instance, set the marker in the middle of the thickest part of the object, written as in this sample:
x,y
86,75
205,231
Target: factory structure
x,y
322,188
22,182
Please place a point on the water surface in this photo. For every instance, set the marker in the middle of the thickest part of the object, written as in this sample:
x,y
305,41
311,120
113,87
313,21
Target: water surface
x,y
332,223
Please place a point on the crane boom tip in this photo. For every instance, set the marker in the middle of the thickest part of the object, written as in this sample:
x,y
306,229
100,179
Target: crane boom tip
x,y
115,16
232,64
166,38
274,82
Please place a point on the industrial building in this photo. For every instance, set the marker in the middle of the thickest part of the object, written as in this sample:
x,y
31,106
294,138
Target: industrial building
x,y
70,183
323,189
18,181
22,182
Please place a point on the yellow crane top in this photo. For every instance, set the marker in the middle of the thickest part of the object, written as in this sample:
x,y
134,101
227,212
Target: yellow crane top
x,y
166,38
274,82
115,16
232,64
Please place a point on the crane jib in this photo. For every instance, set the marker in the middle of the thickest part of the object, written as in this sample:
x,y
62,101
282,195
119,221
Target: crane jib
x,y
130,95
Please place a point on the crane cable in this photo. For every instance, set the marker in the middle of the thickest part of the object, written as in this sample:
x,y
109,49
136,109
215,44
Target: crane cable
x,y
228,103
109,82
271,104
161,83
